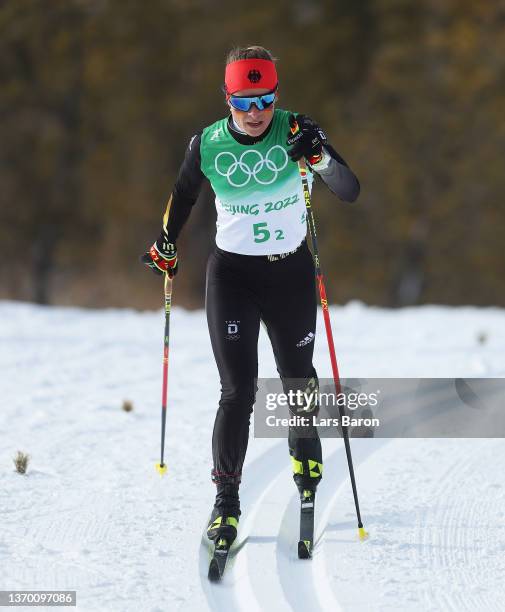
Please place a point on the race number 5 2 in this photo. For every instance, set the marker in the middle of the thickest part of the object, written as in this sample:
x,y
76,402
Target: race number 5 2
x,y
262,233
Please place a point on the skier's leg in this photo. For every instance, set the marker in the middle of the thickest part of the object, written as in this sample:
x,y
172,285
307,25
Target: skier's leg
x,y
289,312
233,320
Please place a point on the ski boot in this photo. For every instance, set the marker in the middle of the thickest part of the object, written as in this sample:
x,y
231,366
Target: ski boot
x,y
306,475
225,515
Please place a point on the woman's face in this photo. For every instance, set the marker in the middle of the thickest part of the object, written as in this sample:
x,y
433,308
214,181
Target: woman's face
x,y
254,122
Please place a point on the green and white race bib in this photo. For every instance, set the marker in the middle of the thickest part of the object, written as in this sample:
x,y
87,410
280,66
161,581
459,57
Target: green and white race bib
x,y
259,196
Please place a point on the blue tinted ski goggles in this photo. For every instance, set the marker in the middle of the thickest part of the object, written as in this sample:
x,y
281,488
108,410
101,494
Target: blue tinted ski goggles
x,y
244,103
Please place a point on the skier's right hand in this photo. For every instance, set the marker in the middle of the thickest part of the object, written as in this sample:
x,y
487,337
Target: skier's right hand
x,y
161,258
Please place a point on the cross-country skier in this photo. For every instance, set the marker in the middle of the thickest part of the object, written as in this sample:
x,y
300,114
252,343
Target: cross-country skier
x,y
261,268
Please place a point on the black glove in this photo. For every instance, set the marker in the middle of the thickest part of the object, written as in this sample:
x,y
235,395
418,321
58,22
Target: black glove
x,y
306,139
161,257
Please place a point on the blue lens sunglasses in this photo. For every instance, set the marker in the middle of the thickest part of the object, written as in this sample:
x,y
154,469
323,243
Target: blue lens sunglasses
x,y
244,103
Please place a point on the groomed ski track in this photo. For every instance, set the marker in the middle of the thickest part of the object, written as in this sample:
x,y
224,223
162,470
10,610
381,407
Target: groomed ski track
x,y
264,571
428,545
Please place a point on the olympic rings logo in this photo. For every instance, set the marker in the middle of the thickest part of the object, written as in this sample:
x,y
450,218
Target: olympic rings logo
x,y
251,171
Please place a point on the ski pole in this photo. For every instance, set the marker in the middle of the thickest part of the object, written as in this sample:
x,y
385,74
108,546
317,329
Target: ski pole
x,y
302,168
161,467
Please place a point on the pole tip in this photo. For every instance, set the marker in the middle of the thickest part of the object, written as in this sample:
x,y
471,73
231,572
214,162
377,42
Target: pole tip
x,y
363,535
161,468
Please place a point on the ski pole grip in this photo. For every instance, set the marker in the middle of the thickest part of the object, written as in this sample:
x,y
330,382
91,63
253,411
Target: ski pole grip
x,y
294,129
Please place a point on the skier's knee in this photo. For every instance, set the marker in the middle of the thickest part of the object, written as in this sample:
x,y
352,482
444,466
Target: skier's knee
x,y
304,394
238,397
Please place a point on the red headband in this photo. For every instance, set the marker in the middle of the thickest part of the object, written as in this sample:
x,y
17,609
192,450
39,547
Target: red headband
x,y
250,73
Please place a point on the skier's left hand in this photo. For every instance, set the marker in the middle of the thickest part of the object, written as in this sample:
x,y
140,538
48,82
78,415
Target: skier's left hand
x,y
307,141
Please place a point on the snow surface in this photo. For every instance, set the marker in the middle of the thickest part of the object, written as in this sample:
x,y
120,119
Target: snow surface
x,y
93,515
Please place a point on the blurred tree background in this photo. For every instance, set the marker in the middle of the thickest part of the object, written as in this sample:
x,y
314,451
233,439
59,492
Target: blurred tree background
x,y
99,99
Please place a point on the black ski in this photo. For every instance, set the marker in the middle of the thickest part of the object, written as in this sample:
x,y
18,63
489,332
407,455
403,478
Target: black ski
x,y
306,542
218,561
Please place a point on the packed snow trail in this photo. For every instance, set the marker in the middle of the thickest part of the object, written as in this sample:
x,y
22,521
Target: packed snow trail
x,y
93,515
436,514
